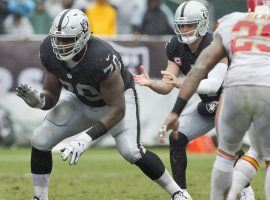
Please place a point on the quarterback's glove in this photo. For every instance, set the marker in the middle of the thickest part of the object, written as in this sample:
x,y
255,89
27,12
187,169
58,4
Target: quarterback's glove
x,y
32,97
76,148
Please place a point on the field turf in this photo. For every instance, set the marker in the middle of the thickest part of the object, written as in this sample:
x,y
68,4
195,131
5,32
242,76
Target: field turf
x,y
102,174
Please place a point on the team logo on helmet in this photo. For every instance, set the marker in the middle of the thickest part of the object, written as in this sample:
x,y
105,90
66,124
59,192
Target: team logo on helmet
x,y
84,25
205,14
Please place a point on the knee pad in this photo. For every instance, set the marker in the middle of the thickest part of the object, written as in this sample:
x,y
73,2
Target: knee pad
x,y
40,139
178,140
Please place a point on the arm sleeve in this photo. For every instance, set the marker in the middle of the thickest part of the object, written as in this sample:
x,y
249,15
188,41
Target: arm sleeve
x,y
213,82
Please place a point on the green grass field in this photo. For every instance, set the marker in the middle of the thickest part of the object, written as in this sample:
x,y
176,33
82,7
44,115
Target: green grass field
x,y
101,175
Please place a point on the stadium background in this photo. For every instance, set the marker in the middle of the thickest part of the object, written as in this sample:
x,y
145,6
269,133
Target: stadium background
x,y
100,167
20,63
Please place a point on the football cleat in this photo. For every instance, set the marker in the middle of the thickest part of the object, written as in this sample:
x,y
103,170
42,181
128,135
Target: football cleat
x,y
181,195
247,194
185,193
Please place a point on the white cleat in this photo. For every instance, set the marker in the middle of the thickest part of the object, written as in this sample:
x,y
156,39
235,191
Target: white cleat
x,y
181,195
185,193
247,194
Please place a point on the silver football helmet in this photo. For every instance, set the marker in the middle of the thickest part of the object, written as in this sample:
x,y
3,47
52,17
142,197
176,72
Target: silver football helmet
x,y
70,33
191,12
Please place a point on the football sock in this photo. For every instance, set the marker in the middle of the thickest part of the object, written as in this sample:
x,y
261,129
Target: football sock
x,y
267,181
221,177
40,182
167,182
41,167
152,166
244,170
178,158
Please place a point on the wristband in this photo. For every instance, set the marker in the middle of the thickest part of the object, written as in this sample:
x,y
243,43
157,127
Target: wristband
x,y
48,102
97,130
179,106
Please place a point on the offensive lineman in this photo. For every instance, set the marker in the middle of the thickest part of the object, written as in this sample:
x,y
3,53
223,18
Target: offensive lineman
x,y
101,98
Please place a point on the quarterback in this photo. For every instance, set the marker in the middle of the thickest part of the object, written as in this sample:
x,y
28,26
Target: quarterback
x,y
244,37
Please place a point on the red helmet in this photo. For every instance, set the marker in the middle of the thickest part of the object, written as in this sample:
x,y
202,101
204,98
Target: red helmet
x,y
253,3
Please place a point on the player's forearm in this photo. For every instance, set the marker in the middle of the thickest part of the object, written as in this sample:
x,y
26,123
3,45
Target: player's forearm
x,y
192,82
161,87
50,100
113,115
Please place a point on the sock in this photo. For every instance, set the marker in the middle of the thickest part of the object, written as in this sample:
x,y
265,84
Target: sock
x,y
167,182
40,182
41,167
178,157
244,170
267,181
221,177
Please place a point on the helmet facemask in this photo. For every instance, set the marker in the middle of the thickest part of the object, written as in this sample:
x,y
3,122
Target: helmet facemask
x,y
186,37
70,33
66,47
195,16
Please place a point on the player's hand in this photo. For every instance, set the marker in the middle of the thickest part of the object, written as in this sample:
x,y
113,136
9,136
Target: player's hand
x,y
32,97
172,79
171,123
76,148
142,79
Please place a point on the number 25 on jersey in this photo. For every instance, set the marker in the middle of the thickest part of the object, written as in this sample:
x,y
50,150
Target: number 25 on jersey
x,y
251,37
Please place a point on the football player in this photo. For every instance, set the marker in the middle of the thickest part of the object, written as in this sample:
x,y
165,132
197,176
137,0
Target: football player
x,y
101,99
244,37
191,26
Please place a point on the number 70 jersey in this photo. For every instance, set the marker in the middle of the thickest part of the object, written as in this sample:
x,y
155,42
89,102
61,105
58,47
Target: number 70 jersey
x,y
246,39
98,63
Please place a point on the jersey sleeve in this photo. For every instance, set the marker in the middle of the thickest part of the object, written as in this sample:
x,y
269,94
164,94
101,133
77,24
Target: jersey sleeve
x,y
107,64
170,47
44,53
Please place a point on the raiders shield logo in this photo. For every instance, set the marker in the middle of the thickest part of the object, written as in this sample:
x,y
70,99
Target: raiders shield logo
x,y
212,106
84,25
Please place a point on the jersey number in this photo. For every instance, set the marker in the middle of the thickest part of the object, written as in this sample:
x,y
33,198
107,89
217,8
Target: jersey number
x,y
249,29
116,64
86,91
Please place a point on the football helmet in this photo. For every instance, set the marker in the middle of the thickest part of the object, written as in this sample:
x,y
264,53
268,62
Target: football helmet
x,y
262,6
191,12
70,32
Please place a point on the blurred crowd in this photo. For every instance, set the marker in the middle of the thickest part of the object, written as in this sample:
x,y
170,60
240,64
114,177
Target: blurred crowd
x,y
107,17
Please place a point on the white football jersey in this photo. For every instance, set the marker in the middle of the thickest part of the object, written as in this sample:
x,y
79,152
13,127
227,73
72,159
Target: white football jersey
x,y
246,38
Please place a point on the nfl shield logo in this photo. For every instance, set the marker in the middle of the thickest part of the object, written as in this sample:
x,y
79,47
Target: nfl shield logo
x,y
177,60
